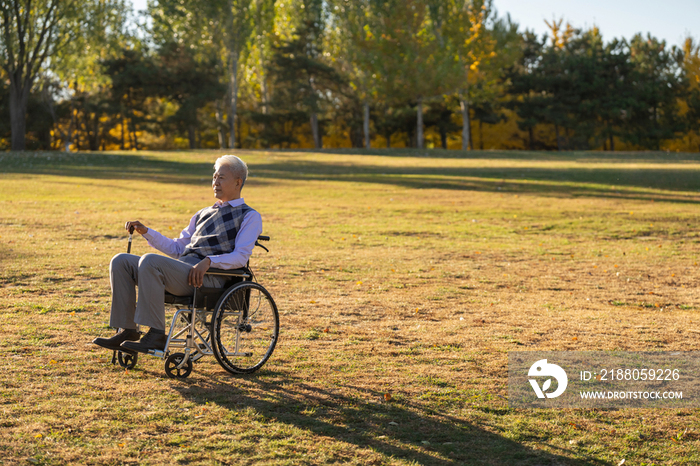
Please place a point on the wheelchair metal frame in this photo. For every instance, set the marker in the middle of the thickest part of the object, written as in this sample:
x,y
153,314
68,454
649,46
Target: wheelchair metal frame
x,y
195,344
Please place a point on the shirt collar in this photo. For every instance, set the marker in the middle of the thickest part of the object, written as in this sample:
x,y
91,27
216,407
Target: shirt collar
x,y
233,203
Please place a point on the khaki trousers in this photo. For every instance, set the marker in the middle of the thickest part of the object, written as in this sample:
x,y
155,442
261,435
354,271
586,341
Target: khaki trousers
x,y
154,275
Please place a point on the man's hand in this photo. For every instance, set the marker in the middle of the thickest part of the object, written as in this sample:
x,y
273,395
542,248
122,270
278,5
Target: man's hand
x,y
138,226
196,276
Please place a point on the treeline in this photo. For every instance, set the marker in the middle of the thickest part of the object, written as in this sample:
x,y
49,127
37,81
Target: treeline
x,y
94,75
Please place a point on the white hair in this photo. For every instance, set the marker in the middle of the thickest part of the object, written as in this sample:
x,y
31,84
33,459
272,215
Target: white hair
x,y
235,164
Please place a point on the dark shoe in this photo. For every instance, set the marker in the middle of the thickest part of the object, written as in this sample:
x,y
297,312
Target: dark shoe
x,y
150,341
114,343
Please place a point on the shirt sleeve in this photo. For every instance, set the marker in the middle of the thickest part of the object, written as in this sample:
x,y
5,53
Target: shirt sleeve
x,y
251,228
172,247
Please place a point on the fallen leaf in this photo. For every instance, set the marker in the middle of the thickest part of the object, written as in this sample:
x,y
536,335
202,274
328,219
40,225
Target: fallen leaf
x,y
359,283
387,397
38,436
575,338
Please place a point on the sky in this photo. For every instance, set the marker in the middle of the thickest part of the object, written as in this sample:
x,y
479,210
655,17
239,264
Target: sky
x,y
671,20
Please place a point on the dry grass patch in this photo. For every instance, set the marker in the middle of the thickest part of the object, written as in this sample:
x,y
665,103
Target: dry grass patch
x,y
403,279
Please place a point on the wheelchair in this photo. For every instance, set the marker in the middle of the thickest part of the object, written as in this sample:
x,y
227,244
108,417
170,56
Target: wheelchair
x,y
238,324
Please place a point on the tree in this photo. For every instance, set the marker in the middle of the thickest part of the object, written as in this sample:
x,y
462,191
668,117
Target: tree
x,y
356,24
522,79
189,83
302,81
134,77
462,30
222,27
691,68
659,81
32,32
76,72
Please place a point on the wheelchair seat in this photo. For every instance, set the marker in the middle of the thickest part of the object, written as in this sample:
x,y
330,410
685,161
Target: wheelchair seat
x,y
208,297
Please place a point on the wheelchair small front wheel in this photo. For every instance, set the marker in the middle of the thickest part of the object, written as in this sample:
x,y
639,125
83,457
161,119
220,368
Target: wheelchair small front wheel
x,y
245,328
172,370
127,360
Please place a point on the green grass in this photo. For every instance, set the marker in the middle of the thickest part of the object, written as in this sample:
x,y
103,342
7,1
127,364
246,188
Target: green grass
x,y
403,279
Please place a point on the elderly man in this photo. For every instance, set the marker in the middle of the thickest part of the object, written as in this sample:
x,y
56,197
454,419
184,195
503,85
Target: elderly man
x,y
222,236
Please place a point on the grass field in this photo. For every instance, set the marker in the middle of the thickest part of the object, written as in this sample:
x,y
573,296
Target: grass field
x,y
403,279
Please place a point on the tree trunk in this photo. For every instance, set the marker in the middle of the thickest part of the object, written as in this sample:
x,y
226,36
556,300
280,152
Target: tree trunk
x,y
612,143
471,134
464,105
419,125
131,135
103,136
133,131
18,113
556,133
265,95
388,140
365,125
122,145
315,131
481,135
443,138
69,136
532,137
239,133
264,92
191,136
95,145
220,125
233,92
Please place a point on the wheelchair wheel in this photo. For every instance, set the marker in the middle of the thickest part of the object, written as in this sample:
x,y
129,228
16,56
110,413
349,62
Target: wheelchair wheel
x,y
245,328
127,360
171,364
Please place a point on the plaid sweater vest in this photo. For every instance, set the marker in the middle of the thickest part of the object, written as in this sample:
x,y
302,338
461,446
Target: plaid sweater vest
x,y
215,230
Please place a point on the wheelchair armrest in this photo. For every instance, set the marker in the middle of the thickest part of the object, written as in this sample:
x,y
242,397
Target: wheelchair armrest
x,y
243,273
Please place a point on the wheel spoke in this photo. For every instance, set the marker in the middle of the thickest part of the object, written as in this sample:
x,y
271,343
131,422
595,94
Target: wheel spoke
x,y
246,326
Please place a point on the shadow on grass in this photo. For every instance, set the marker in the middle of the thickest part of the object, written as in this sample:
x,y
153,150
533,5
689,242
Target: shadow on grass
x,y
364,421
580,179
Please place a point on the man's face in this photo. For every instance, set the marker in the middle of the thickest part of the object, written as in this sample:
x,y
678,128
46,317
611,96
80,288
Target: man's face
x,y
226,185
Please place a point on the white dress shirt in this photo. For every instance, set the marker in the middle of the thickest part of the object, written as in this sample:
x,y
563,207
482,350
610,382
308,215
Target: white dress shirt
x,y
251,228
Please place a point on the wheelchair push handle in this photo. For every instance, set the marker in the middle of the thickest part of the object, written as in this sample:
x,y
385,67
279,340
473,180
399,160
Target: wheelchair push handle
x,y
262,238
